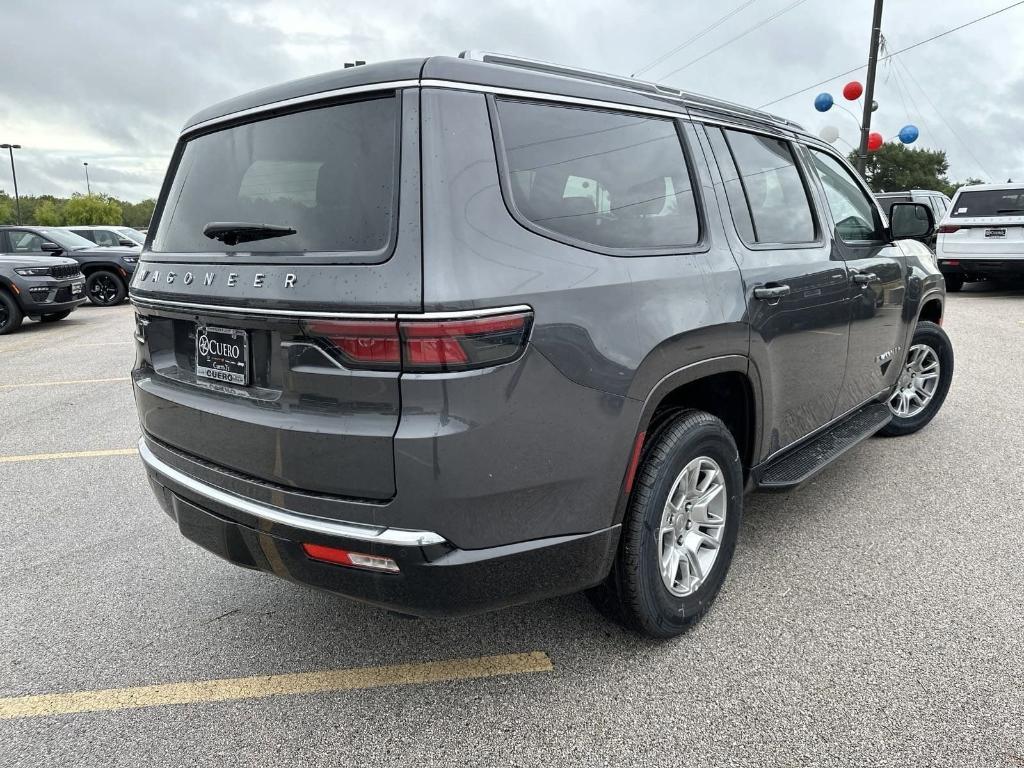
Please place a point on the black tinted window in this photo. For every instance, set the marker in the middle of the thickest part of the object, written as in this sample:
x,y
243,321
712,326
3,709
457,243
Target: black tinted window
x,y
853,210
773,189
989,202
328,173
614,180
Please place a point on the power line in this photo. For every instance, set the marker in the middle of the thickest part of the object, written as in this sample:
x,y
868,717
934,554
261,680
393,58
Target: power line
x,y
942,117
693,39
732,40
894,53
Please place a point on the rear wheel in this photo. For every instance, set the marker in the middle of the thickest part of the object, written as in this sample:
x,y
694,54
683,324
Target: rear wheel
x,y
105,289
10,314
680,530
53,317
954,282
923,382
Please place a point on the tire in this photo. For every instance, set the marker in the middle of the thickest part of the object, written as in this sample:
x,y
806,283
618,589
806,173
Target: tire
x,y
636,592
930,343
53,317
10,314
105,288
954,283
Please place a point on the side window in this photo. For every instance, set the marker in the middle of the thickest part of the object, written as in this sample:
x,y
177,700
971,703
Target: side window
x,y
609,179
103,237
733,187
24,242
88,234
855,215
778,207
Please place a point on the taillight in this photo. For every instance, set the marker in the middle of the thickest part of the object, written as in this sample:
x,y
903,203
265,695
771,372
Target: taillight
x,y
948,229
425,345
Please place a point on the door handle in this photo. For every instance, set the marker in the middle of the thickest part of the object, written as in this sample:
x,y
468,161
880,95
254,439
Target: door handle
x,y
771,291
863,278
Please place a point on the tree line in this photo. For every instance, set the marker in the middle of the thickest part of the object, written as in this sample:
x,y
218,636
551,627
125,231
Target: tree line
x,y
895,167
50,211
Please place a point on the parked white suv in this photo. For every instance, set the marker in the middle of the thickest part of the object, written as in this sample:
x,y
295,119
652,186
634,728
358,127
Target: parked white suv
x,y
112,236
982,235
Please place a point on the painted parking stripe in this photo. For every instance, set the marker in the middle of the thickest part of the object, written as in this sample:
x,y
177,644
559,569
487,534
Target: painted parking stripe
x,y
68,455
62,383
233,689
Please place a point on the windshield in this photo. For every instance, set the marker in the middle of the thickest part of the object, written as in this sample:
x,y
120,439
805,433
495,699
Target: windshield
x,y
132,234
989,202
329,174
66,240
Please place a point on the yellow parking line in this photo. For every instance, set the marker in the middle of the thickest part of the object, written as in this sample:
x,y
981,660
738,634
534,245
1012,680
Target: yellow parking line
x,y
273,685
62,383
68,455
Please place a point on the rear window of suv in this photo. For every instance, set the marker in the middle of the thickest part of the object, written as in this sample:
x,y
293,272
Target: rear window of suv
x,y
328,173
989,202
615,181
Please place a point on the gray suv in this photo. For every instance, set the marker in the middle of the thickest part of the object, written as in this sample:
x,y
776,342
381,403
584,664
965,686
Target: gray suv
x,y
453,334
44,288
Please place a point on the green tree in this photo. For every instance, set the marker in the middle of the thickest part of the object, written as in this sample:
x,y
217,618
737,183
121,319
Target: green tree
x,y
6,209
48,214
138,214
92,209
895,167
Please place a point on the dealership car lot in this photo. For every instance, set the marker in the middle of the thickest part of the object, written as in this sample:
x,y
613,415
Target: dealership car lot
x,y
871,617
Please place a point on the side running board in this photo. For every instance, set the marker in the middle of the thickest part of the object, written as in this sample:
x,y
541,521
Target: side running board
x,y
797,465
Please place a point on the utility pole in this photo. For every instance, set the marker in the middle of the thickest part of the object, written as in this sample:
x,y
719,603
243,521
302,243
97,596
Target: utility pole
x,y
869,90
88,189
17,200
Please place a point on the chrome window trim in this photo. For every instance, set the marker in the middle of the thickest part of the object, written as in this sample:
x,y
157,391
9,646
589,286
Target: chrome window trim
x,y
395,536
768,128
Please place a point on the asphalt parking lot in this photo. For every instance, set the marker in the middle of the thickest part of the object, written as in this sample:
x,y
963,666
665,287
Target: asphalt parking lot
x,y
874,617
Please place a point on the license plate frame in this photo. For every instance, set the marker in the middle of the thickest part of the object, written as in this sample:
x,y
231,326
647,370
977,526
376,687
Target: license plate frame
x,y
222,354
995,232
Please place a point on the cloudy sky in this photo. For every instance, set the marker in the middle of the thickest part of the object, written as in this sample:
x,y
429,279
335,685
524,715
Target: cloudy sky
x,y
111,81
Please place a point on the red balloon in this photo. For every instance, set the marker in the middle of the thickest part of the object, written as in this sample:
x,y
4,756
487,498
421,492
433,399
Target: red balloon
x,y
875,141
852,90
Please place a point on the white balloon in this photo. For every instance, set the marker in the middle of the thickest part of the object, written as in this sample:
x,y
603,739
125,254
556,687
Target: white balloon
x,y
829,134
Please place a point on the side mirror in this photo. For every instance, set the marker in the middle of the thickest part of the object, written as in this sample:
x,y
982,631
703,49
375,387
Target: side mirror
x,y
127,242
51,248
911,221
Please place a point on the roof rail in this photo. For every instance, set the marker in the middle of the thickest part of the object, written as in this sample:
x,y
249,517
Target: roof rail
x,y
629,83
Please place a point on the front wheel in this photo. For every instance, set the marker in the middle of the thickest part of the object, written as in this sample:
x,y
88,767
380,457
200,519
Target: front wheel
x,y
680,529
53,317
954,282
105,289
923,382
10,314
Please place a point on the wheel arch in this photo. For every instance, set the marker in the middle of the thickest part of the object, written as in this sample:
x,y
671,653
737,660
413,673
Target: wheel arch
x,y
932,308
727,387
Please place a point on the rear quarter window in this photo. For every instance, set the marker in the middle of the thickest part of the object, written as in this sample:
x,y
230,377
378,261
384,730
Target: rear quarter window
x,y
616,182
329,173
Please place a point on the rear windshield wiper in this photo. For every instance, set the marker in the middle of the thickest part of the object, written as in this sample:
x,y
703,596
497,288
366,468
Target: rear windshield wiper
x,y
1010,210
235,232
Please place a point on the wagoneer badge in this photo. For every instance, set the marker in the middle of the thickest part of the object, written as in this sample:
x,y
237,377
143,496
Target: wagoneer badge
x,y
259,279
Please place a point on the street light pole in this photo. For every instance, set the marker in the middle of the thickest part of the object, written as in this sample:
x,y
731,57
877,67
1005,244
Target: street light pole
x,y
869,89
17,200
88,189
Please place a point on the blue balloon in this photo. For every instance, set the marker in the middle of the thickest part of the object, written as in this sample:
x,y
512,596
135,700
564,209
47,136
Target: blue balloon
x,y
909,134
823,102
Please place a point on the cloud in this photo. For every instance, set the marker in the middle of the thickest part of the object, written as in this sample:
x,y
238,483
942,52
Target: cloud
x,y
112,81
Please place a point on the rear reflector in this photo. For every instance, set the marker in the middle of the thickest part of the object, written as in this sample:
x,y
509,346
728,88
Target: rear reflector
x,y
634,461
337,556
948,229
950,262
425,346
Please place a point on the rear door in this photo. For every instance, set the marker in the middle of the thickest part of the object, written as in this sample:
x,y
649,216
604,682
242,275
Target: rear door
x,y
795,286
986,224
248,331
876,288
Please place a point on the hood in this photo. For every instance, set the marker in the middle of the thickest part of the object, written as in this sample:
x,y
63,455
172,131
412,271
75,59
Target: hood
x,y
19,260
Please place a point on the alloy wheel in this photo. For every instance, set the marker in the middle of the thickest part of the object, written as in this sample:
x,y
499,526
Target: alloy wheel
x,y
692,526
104,289
917,383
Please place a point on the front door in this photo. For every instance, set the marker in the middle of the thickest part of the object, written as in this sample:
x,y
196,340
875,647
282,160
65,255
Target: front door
x,y
796,288
876,291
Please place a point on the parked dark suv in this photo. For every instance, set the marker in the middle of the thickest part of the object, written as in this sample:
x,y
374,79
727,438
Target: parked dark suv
x,y
107,270
447,335
44,288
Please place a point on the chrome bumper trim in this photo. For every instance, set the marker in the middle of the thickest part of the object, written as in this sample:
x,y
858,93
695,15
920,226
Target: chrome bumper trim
x,y
393,536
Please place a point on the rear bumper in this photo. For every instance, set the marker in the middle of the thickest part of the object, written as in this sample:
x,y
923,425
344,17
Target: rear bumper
x,y
435,578
982,267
